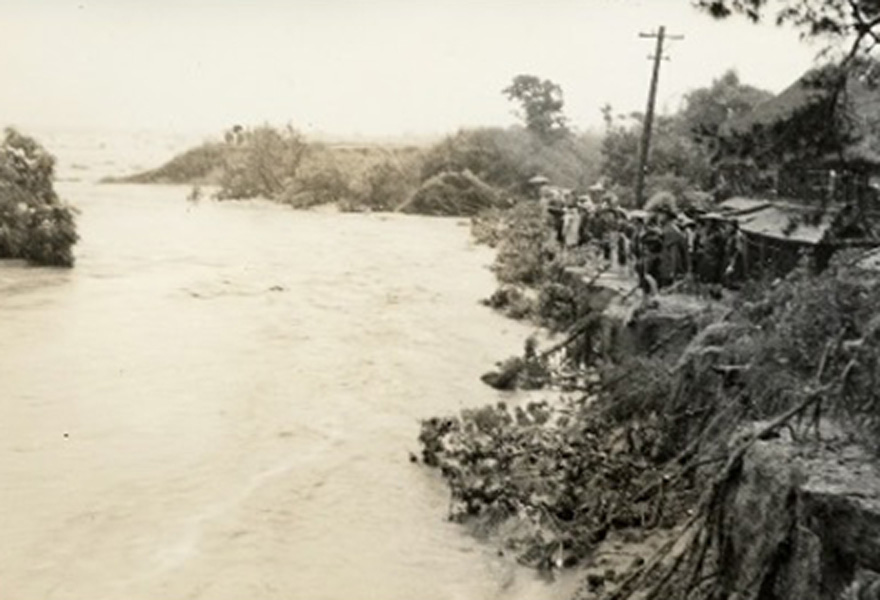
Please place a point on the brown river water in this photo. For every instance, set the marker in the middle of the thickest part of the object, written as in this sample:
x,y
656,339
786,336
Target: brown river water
x,y
219,400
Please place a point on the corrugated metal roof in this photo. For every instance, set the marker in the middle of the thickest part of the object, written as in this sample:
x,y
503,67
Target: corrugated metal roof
x,y
871,260
786,223
742,205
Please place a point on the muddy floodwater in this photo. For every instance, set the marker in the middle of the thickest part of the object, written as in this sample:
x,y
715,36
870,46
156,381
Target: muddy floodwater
x,y
219,400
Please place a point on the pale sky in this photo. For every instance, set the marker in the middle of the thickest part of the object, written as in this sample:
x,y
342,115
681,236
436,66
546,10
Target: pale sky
x,y
370,67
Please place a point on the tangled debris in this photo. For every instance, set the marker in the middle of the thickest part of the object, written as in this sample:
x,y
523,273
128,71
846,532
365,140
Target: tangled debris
x,y
549,482
804,351
657,439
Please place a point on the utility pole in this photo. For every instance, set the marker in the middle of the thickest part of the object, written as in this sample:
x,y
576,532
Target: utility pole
x,y
649,113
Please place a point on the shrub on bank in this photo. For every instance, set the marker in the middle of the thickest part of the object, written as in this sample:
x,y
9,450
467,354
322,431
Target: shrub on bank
x,y
520,258
262,164
462,175
388,184
316,184
355,178
508,158
548,478
34,224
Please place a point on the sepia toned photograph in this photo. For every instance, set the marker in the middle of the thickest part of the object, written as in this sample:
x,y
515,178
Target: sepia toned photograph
x,y
440,300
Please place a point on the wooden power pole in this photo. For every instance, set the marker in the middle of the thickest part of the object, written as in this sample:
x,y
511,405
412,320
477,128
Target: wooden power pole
x,y
649,113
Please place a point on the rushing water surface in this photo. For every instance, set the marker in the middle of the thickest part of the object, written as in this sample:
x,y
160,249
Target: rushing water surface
x,y
218,402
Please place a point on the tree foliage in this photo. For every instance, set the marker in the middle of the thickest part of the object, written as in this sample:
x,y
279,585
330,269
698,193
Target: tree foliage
x,y
676,162
34,224
541,103
707,109
520,258
508,158
856,22
683,145
262,164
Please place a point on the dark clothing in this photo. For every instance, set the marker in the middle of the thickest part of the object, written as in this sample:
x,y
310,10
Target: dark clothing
x,y
556,213
651,246
674,256
711,256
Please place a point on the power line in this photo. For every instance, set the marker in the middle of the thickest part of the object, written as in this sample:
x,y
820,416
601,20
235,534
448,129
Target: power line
x,y
661,36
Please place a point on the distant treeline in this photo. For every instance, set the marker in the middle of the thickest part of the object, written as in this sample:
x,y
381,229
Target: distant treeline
x,y
473,169
463,174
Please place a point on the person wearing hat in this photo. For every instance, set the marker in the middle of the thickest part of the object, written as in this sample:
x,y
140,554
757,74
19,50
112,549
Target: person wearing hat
x,y
711,249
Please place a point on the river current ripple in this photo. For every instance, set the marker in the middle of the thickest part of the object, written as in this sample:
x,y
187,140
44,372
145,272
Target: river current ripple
x,y
218,402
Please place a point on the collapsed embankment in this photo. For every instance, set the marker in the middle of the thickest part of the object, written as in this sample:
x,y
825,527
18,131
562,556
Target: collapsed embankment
x,y
692,421
801,521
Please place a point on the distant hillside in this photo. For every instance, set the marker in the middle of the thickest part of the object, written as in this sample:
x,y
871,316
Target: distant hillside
x,y
201,165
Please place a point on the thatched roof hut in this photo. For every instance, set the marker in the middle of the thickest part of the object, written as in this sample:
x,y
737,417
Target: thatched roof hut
x,y
829,116
817,140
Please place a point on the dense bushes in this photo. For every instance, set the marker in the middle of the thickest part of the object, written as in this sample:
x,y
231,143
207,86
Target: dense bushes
x,y
388,184
552,480
34,224
508,158
520,258
262,164
461,175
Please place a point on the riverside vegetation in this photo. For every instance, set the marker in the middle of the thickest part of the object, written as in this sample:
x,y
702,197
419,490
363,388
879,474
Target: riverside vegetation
x,y
35,225
473,172
642,441
465,174
648,438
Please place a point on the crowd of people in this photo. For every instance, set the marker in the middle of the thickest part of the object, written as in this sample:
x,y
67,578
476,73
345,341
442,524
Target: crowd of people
x,y
660,246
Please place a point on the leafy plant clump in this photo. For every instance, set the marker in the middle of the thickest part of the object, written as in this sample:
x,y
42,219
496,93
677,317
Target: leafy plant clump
x,y
549,480
261,163
521,250
507,158
34,224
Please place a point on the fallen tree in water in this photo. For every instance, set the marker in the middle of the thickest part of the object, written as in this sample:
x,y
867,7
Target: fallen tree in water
x,y
34,224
